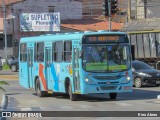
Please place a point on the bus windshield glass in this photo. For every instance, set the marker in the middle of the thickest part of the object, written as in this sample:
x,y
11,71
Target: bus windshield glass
x,y
106,58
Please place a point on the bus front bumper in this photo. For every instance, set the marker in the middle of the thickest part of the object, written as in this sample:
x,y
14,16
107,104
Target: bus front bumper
x,y
91,89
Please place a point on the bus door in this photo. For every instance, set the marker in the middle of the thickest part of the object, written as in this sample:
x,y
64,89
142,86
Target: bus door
x,y
48,61
30,66
75,66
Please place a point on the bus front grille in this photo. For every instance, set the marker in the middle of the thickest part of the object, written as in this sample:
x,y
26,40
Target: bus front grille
x,y
108,87
107,77
107,82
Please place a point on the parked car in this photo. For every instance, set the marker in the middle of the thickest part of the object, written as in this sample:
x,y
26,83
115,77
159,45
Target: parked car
x,y
9,59
1,64
14,65
144,74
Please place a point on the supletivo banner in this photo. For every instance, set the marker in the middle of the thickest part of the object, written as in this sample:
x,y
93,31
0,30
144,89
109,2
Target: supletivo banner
x,y
40,22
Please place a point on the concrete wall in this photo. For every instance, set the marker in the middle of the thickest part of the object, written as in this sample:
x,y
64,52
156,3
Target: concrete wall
x,y
9,52
92,8
153,9
67,10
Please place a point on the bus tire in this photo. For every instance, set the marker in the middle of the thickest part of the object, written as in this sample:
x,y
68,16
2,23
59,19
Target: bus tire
x,y
71,95
113,96
39,93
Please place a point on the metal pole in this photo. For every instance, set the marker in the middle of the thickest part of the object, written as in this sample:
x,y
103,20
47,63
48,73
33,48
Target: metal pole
x,y
136,9
4,27
13,37
129,10
91,6
145,8
109,14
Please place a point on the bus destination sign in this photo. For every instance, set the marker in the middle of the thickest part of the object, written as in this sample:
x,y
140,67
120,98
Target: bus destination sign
x,y
104,38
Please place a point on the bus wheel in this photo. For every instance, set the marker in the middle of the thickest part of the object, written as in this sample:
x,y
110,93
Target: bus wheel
x,y
71,95
113,96
138,82
38,89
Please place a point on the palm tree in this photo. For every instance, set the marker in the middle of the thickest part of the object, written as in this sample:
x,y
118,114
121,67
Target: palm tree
x,y
3,83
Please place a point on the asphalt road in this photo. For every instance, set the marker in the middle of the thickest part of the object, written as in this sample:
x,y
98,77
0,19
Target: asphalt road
x,y
8,72
142,99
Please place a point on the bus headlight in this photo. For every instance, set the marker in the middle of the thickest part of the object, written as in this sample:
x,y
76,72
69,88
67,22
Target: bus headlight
x,y
127,80
89,81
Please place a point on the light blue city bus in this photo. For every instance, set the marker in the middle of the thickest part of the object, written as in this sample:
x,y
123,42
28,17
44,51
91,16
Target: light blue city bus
x,y
76,63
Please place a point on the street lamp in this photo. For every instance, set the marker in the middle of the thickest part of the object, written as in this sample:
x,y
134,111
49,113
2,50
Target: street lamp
x,y
4,27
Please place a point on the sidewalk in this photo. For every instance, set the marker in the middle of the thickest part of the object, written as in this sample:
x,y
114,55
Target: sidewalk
x,y
9,77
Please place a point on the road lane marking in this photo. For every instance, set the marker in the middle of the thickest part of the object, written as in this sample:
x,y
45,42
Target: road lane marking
x,y
26,109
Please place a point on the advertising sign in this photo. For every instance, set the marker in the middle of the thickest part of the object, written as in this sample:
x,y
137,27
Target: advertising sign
x,y
39,22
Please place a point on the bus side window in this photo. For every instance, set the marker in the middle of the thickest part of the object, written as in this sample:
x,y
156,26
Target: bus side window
x,y
67,51
40,52
58,51
23,52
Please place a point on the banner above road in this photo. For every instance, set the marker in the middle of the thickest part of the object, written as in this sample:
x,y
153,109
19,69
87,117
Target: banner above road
x,y
40,22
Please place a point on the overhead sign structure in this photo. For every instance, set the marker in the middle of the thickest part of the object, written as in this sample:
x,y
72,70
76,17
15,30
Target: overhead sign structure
x,y
40,22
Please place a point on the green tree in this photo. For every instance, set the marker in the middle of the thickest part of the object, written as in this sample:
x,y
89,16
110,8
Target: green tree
x,y
3,83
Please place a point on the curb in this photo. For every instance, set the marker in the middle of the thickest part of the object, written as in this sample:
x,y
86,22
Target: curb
x,y
4,102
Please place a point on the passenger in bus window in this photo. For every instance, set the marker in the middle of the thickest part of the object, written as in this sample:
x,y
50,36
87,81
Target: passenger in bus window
x,y
96,54
40,57
92,54
86,54
103,53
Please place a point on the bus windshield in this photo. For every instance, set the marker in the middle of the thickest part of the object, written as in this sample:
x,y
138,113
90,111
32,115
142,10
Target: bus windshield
x,y
106,58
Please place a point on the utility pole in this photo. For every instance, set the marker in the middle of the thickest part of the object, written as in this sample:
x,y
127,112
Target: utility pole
x,y
145,9
109,15
4,27
129,10
91,8
13,37
136,9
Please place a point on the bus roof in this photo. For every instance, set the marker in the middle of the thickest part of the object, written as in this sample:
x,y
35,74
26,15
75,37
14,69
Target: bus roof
x,y
65,36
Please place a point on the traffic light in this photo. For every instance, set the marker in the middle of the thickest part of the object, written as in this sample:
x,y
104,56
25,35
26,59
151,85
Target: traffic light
x,y
114,8
105,8
15,42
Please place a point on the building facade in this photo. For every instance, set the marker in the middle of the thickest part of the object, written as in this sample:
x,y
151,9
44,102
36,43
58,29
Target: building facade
x,y
75,15
68,9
